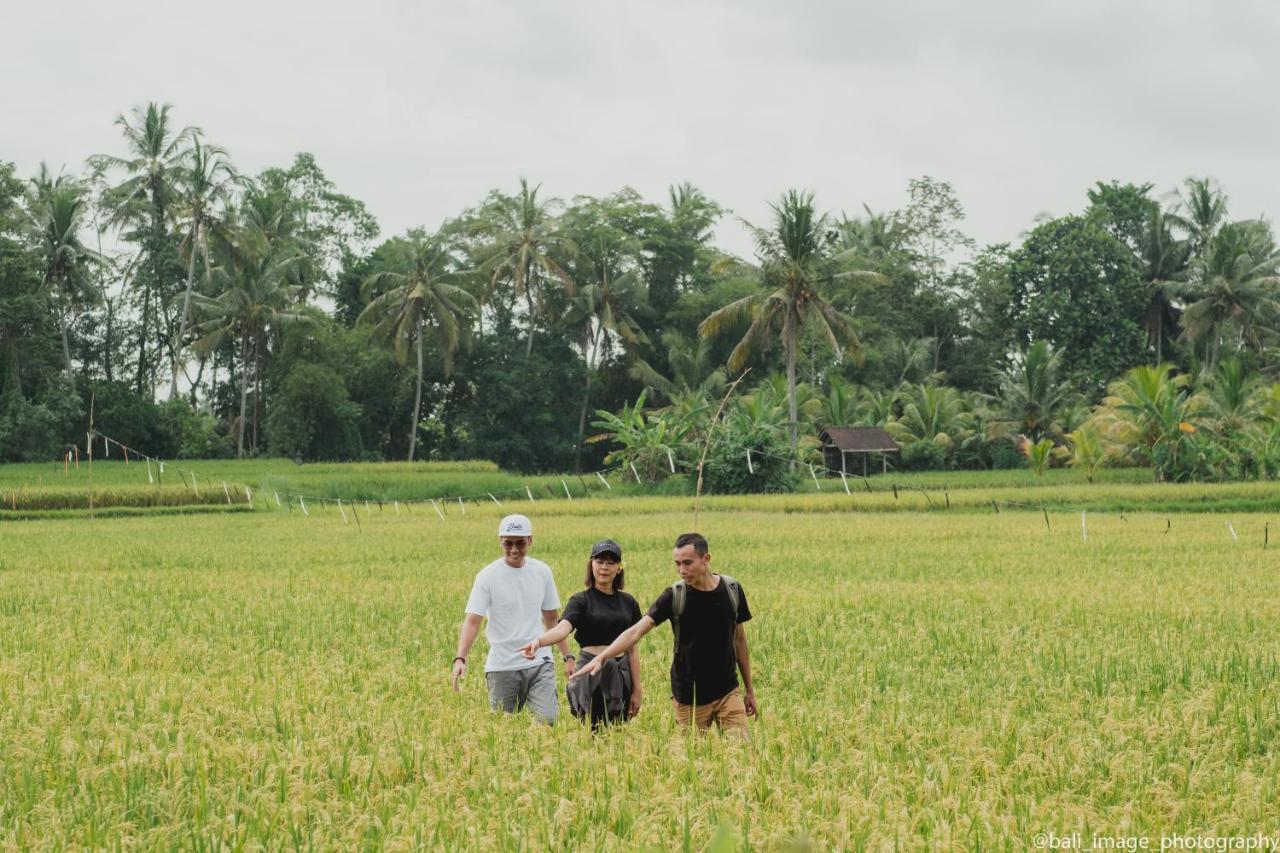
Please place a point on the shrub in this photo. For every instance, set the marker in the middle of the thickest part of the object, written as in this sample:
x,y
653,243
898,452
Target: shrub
x,y
924,455
726,471
312,415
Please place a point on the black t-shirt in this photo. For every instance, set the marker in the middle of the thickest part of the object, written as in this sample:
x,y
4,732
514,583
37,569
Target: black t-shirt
x,y
703,667
597,618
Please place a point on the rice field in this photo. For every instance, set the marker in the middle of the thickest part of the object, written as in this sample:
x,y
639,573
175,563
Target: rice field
x,y
269,680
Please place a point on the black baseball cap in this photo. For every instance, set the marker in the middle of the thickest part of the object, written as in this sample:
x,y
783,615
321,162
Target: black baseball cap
x,y
606,546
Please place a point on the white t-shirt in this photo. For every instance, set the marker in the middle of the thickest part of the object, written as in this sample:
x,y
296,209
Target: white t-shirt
x,y
513,600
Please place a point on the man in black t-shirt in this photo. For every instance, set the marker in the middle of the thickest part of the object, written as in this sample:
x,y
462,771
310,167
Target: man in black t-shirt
x,y
711,644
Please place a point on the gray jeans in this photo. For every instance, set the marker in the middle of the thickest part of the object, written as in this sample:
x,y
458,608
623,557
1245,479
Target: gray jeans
x,y
512,689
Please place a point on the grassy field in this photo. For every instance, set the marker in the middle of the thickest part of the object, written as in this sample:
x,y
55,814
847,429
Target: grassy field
x,y
962,680
47,490
37,487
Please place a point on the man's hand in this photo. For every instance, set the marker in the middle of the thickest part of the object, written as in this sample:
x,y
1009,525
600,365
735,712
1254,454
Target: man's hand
x,y
633,707
593,666
749,702
569,666
459,670
530,649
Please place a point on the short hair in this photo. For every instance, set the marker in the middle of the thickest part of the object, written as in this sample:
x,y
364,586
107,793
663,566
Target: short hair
x,y
697,540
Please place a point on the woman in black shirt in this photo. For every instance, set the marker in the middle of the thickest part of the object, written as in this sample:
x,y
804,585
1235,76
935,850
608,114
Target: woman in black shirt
x,y
596,616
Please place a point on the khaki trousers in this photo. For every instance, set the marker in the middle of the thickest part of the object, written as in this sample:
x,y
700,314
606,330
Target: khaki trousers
x,y
727,712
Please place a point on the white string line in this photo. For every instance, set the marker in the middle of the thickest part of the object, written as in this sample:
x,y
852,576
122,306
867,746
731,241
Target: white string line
x,y
601,474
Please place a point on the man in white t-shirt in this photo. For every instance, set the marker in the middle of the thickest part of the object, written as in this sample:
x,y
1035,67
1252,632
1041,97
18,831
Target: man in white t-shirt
x,y
518,596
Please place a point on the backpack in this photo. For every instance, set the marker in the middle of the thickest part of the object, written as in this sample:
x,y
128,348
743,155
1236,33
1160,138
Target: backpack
x,y
680,595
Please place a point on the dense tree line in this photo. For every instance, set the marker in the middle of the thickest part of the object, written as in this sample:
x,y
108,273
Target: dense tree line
x,y
200,311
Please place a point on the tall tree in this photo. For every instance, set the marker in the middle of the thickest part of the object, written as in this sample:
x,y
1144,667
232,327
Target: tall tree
x,y
599,309
255,274
678,245
794,265
930,222
1201,209
420,300
1077,287
1233,289
336,227
143,202
205,181
1128,213
521,243
58,207
1163,259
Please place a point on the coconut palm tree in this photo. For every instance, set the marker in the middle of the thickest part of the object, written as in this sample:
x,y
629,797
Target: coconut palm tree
x,y
143,202
694,373
205,180
1149,411
794,264
521,241
255,274
1200,211
600,309
1033,393
1163,258
935,413
1230,399
419,301
57,208
1233,290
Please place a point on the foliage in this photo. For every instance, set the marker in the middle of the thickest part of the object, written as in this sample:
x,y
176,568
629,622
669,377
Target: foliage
x,y
509,407
726,471
794,263
1077,288
924,455
1038,455
1152,414
313,417
1033,394
1233,291
651,443
1087,450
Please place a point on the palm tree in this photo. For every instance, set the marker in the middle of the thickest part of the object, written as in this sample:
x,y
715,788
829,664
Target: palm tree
x,y
599,309
873,238
57,208
876,408
1149,411
1234,288
205,181
144,198
1200,211
694,373
256,275
420,301
936,413
521,239
903,361
794,263
1231,400
1033,393
1163,258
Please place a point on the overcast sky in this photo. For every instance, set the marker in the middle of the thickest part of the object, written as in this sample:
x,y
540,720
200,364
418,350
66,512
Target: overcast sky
x,y
419,109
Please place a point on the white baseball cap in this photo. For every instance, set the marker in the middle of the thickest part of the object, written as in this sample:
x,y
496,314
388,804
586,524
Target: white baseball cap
x,y
515,525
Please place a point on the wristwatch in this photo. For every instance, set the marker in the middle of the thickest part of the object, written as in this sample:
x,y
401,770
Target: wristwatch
x,y
568,658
